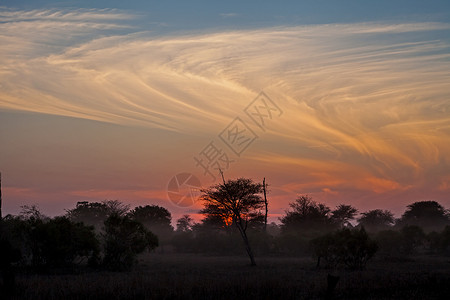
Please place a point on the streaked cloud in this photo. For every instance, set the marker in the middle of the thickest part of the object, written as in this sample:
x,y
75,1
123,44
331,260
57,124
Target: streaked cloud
x,y
95,15
229,15
366,105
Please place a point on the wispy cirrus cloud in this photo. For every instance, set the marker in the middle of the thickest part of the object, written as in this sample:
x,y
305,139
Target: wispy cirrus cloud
x,y
40,32
364,103
79,15
229,15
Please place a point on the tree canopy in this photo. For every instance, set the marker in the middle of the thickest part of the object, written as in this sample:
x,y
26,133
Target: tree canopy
x,y
428,214
155,218
124,238
185,223
306,214
376,219
236,202
343,214
95,213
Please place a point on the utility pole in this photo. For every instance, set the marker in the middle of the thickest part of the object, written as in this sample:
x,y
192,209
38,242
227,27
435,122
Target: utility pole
x,y
1,216
265,201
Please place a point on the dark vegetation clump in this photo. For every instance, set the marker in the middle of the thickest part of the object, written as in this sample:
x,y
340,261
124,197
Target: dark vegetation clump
x,y
50,243
124,238
65,243
351,248
44,258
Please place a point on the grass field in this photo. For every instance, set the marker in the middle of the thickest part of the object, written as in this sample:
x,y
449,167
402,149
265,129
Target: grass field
x,y
184,276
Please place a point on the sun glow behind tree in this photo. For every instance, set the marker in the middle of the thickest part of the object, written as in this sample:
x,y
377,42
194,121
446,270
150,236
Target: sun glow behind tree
x,y
239,200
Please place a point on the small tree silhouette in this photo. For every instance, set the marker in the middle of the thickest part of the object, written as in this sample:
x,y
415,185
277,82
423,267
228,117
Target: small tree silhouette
x,y
413,237
51,242
306,214
185,223
155,218
124,238
343,214
237,202
376,219
351,248
95,213
429,215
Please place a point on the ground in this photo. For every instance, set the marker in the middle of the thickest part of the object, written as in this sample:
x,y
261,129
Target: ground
x,y
188,276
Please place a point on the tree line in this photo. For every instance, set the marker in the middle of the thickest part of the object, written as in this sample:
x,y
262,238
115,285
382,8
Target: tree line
x,y
109,235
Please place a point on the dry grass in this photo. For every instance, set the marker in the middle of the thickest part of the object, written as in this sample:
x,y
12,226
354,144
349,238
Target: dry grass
x,y
182,276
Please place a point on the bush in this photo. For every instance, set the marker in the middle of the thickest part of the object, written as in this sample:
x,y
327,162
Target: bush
x,y
345,247
390,243
124,238
413,238
56,242
444,244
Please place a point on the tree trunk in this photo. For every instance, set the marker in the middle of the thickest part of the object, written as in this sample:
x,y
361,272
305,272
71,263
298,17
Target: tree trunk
x,y
247,244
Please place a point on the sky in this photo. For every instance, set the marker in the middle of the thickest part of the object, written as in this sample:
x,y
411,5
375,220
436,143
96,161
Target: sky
x,y
142,101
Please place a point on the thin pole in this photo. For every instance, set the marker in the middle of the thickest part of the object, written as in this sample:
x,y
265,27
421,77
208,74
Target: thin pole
x,y
265,201
223,178
1,216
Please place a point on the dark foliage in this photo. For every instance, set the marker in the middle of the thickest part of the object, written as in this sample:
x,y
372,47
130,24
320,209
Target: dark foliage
x,y
183,238
343,214
390,243
376,220
56,242
236,202
306,215
8,257
305,221
155,218
429,215
95,213
413,237
124,238
444,243
185,224
351,248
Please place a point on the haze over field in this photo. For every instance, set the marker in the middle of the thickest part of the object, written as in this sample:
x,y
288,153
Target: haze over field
x,y
111,101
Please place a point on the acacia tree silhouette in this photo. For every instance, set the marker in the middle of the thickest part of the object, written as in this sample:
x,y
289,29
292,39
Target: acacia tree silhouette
x,y
429,215
343,214
236,200
376,220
